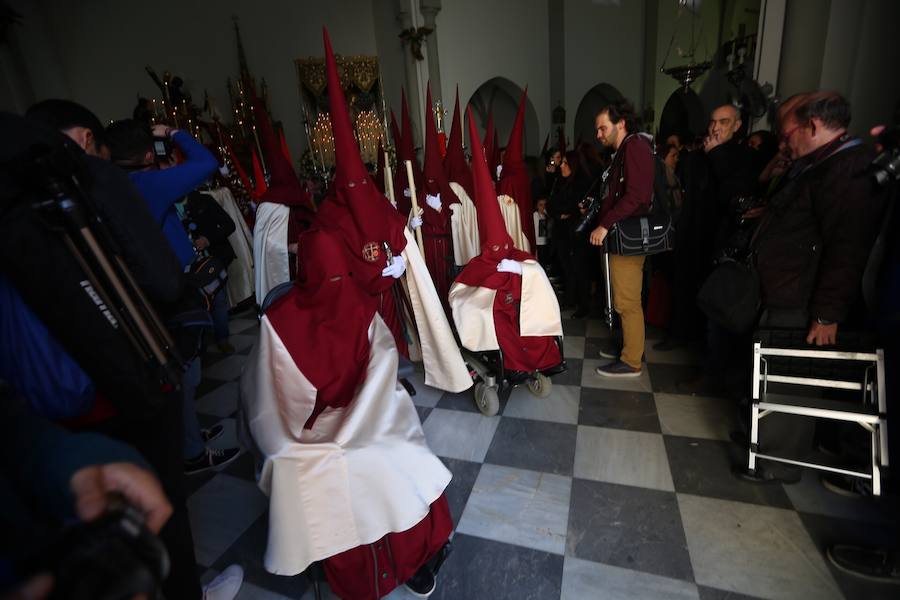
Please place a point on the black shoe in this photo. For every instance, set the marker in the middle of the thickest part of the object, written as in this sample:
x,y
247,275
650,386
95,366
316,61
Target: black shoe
x,y
762,476
422,583
212,433
844,485
874,564
211,458
610,351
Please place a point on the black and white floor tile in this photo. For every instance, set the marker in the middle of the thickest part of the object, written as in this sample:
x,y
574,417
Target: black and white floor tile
x,y
606,489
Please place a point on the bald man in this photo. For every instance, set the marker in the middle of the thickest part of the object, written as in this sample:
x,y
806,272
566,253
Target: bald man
x,y
724,123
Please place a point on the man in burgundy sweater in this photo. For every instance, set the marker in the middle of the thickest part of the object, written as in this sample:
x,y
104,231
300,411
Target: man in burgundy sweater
x,y
630,179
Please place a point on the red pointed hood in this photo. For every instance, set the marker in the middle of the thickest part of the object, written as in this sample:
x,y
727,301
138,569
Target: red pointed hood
x,y
379,169
354,205
514,180
408,148
404,204
455,164
491,228
324,321
490,137
435,178
494,158
513,156
284,186
495,241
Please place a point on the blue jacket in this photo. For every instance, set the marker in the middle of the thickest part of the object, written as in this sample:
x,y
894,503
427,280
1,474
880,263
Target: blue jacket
x,y
161,189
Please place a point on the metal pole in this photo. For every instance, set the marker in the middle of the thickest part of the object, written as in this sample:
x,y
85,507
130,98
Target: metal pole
x,y
608,311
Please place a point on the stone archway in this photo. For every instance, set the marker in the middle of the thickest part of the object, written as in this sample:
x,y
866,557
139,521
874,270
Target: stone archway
x,y
501,96
596,98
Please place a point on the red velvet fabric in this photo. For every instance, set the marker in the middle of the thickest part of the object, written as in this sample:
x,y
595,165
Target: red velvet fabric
x,y
324,321
404,204
519,353
436,227
372,571
355,211
455,164
514,179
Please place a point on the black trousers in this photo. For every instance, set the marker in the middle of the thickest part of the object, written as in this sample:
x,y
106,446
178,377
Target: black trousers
x,y
790,436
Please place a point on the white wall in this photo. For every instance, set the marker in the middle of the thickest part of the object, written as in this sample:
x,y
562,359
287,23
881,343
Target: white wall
x,y
604,44
105,44
875,86
480,40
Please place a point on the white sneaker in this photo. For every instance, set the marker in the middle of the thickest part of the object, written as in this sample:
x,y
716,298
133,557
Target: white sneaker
x,y
226,585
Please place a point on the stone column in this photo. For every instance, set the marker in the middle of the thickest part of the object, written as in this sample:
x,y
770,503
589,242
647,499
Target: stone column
x,y
405,20
430,9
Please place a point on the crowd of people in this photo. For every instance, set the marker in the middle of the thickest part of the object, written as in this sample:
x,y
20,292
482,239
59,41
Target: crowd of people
x,y
797,204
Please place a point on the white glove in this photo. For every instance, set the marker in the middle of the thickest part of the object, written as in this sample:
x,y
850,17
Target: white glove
x,y
509,266
499,170
433,201
396,269
224,171
407,193
415,222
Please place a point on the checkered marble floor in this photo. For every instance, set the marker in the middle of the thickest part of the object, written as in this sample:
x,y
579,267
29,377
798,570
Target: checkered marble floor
x,y
606,489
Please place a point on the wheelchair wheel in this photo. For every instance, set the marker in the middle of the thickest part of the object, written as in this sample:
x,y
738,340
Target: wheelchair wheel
x,y
540,386
487,400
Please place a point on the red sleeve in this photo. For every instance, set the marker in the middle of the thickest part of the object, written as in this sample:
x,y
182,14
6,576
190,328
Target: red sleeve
x,y
638,185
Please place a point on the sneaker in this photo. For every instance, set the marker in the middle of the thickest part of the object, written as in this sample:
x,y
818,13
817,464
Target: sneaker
x,y
225,347
618,369
422,583
874,564
610,351
226,585
212,433
212,458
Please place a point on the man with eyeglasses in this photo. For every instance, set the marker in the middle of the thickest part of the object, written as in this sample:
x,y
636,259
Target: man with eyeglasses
x,y
813,243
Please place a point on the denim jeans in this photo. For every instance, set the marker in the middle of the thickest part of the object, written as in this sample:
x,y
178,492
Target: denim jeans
x,y
219,312
193,439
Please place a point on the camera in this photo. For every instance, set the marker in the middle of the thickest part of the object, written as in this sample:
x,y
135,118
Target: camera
x,y
591,206
886,166
162,149
114,557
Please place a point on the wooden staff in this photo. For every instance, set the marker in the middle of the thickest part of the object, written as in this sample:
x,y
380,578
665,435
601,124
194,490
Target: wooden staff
x,y
389,179
415,204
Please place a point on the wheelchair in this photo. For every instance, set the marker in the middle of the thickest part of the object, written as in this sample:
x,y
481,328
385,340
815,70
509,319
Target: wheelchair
x,y
493,382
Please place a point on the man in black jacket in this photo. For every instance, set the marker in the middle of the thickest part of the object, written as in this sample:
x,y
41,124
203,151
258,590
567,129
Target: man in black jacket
x,y
209,227
813,244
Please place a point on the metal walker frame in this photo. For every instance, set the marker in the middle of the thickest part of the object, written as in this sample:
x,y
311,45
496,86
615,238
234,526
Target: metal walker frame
x,y
870,414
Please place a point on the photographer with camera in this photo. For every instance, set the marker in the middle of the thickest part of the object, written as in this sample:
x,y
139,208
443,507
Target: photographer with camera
x,y
629,193
145,154
51,476
135,399
572,184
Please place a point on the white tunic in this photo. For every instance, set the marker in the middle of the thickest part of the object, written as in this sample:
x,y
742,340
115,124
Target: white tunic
x,y
270,247
362,471
464,227
473,310
240,271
